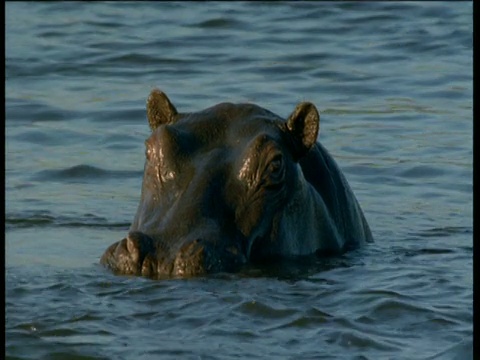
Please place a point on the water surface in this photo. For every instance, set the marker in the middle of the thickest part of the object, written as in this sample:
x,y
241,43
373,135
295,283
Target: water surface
x,y
393,83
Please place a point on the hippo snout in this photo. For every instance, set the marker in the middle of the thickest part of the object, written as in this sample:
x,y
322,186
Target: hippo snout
x,y
203,256
139,254
132,255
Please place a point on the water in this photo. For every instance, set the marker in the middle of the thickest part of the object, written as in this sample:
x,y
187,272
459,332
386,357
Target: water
x,y
393,83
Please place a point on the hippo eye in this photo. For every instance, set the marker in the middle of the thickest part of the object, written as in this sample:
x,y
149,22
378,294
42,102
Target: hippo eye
x,y
275,164
275,168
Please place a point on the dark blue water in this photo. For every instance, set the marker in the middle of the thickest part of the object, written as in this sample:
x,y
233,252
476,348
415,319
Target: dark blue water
x,y
393,83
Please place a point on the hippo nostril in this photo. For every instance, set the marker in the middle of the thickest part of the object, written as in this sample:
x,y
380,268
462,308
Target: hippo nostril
x,y
130,244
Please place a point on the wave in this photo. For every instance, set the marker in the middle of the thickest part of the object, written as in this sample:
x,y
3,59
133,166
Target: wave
x,y
445,231
25,111
84,172
45,218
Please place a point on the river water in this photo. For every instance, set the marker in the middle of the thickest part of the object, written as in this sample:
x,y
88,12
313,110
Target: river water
x,y
393,84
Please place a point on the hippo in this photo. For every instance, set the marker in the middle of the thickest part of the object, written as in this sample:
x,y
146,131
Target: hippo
x,y
235,184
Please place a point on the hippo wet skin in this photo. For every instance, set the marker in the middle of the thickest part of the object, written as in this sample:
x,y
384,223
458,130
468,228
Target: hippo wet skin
x,y
232,184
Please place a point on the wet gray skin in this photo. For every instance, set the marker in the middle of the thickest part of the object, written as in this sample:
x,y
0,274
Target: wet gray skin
x,y
231,184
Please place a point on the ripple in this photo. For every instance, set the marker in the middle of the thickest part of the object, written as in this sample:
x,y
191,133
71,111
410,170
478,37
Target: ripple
x,y
137,59
460,351
51,137
445,231
353,339
41,219
84,173
311,319
218,23
256,308
21,111
421,171
397,309
119,113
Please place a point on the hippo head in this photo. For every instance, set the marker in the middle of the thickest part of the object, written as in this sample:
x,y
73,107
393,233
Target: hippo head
x,y
216,186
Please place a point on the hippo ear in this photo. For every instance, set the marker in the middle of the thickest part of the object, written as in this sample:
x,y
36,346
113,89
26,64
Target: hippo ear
x,y
303,124
159,109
